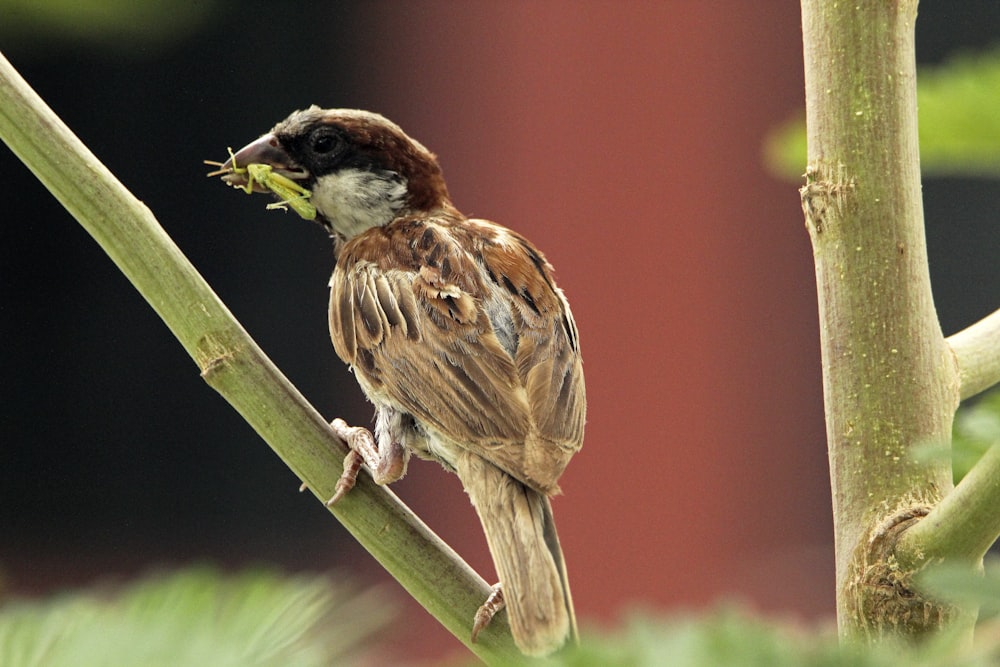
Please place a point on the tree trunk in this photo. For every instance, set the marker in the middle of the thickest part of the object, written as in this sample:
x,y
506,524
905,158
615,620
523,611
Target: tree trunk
x,y
890,380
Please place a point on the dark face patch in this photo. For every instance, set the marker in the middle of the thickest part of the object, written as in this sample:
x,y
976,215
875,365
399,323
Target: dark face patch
x,y
327,141
325,149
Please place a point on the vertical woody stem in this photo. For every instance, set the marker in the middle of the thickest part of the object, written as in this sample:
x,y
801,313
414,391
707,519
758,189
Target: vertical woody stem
x,y
890,382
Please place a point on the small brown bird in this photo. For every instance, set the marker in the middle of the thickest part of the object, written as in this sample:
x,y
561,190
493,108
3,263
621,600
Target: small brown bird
x,y
457,333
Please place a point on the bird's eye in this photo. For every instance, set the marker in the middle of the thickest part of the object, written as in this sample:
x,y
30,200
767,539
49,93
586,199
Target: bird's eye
x,y
324,142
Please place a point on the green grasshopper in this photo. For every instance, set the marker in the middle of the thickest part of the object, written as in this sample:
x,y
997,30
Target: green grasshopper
x,y
291,193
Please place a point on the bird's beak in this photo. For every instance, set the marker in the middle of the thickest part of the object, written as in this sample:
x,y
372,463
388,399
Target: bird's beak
x,y
266,150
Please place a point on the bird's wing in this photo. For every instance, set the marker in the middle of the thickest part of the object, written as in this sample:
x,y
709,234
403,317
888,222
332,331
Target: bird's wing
x,y
462,326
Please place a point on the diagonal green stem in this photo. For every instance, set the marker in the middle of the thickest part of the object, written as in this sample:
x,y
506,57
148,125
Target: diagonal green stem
x,y
233,364
963,526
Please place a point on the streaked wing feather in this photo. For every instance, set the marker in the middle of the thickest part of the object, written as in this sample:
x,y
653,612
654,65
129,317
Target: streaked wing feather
x,y
413,321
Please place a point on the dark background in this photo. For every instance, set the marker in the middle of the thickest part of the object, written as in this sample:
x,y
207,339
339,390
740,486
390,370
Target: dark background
x,y
623,138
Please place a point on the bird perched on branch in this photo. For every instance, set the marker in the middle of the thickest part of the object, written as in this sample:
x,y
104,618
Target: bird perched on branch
x,y
456,332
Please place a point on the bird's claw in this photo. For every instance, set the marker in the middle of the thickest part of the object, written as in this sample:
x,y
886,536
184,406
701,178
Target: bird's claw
x,y
494,603
352,465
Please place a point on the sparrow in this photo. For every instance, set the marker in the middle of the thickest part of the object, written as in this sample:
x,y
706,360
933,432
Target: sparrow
x,y
456,332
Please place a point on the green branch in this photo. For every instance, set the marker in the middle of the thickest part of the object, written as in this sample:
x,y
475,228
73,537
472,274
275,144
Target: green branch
x,y
962,527
977,352
233,364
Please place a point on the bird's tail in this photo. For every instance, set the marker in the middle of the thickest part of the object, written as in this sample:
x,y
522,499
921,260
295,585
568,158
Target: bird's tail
x,y
522,538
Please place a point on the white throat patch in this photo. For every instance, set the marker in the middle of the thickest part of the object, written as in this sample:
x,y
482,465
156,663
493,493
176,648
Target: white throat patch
x,y
354,200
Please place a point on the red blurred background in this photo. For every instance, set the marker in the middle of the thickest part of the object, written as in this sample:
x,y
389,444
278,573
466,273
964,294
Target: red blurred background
x,y
624,139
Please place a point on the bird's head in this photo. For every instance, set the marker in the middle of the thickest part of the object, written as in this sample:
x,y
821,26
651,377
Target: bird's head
x,y
362,170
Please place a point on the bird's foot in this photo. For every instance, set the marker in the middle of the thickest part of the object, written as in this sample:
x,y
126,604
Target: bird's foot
x,y
494,603
387,466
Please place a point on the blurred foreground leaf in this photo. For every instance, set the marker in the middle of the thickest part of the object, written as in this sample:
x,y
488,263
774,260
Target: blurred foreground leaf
x,y
196,617
956,583
977,428
958,106
733,637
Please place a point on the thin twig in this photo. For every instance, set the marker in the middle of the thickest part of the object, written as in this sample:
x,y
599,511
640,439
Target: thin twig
x,y
977,351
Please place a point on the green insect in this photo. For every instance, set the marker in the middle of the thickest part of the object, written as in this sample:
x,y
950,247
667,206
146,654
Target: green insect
x,y
291,193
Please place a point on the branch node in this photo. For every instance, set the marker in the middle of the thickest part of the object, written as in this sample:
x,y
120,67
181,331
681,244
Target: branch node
x,y
821,191
881,591
213,356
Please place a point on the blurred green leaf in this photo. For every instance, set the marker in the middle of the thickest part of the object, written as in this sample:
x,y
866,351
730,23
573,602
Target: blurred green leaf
x,y
955,582
959,122
726,637
734,637
976,429
117,25
196,617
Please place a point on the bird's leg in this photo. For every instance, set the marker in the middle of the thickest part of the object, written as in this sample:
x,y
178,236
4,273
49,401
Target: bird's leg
x,y
387,460
494,603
